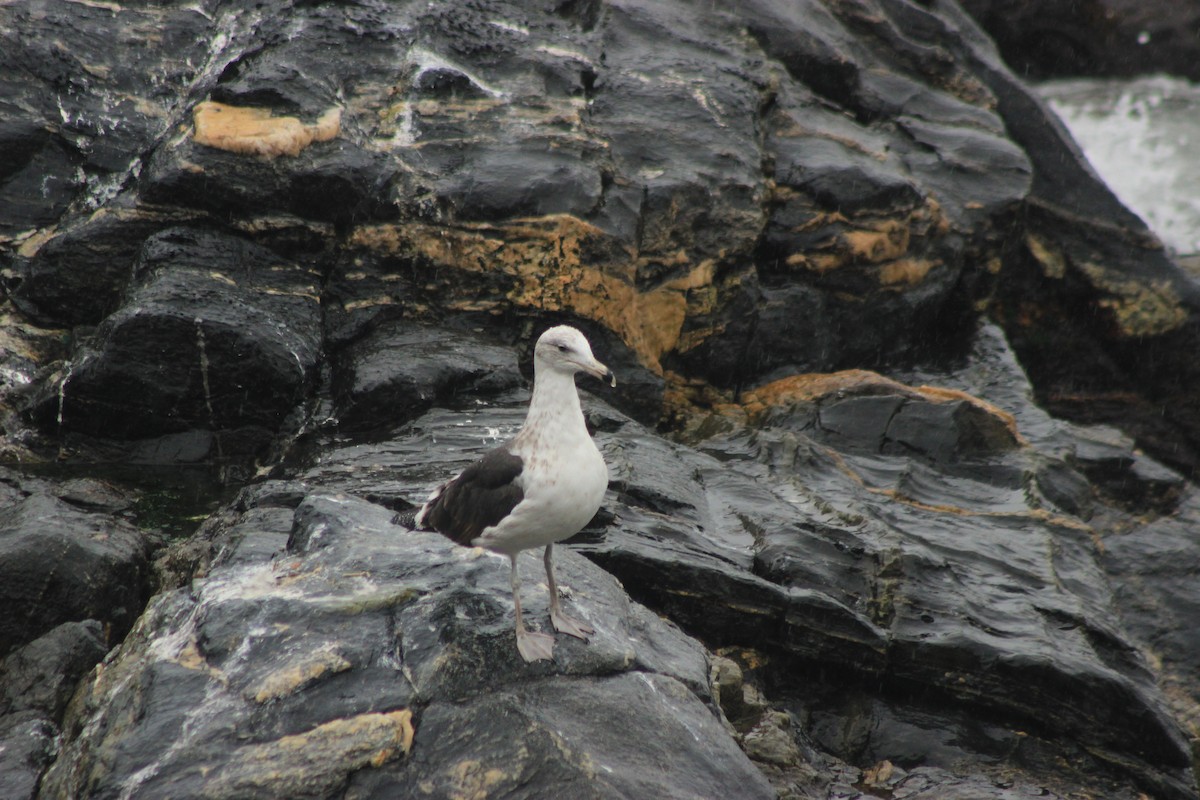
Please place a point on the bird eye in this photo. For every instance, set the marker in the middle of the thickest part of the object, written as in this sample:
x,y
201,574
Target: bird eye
x,y
562,348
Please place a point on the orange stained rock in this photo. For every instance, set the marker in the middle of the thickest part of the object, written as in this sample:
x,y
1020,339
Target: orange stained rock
x,y
554,263
255,131
883,241
813,387
905,272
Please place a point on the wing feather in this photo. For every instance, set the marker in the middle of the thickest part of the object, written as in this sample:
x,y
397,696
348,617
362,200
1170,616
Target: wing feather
x,y
483,494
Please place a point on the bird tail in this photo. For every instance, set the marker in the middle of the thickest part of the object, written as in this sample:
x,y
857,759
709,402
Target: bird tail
x,y
407,519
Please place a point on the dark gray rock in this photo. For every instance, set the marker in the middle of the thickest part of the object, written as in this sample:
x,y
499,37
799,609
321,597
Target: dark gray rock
x,y
1117,363
26,748
1099,37
59,564
831,186
36,682
41,675
397,370
1152,567
71,143
80,275
910,557
216,335
364,630
721,197
571,738
940,575
867,560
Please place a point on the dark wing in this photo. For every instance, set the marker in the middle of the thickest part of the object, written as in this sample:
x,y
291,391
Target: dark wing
x,y
482,495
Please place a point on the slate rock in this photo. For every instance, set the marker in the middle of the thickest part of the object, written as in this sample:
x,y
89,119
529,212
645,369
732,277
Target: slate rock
x,y
59,564
900,562
1113,463
523,179
41,675
733,194
330,184
873,562
1085,265
147,744
858,411
27,747
1112,38
73,136
943,579
358,646
397,370
832,185
541,738
80,275
1152,567
214,336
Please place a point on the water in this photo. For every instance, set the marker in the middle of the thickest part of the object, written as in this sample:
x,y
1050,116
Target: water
x,y
172,500
1143,137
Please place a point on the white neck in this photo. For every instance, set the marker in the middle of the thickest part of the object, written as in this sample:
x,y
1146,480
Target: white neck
x,y
555,403
554,392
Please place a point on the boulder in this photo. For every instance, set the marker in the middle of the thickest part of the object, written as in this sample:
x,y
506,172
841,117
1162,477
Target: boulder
x,y
877,555
395,371
36,681
217,335
59,564
833,186
373,661
27,747
41,675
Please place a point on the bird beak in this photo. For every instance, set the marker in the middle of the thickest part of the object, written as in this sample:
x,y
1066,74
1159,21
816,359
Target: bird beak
x,y
595,368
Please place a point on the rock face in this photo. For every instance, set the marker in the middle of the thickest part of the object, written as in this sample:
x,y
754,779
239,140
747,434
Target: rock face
x,y
215,333
846,551
1098,37
60,564
73,579
299,676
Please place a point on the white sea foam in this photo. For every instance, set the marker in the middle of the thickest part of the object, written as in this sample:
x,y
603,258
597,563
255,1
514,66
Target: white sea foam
x,y
1143,137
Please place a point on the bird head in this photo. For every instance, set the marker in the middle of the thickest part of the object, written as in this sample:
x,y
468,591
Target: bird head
x,y
565,349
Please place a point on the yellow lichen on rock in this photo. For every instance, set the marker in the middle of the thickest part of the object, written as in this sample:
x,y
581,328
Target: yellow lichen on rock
x,y
255,131
470,780
1138,308
540,263
810,387
1051,259
315,761
813,387
905,272
882,241
304,670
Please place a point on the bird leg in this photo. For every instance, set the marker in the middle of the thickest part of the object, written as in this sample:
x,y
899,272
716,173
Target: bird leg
x,y
561,622
533,646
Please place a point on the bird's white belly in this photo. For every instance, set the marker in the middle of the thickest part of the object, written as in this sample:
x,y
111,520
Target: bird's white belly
x,y
561,496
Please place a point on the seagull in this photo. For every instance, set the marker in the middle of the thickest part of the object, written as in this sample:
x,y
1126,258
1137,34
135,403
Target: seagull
x,y
540,487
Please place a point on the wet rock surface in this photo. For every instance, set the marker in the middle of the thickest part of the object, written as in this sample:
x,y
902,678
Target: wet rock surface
x,y
215,333
73,579
846,550
359,630
62,564
315,609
